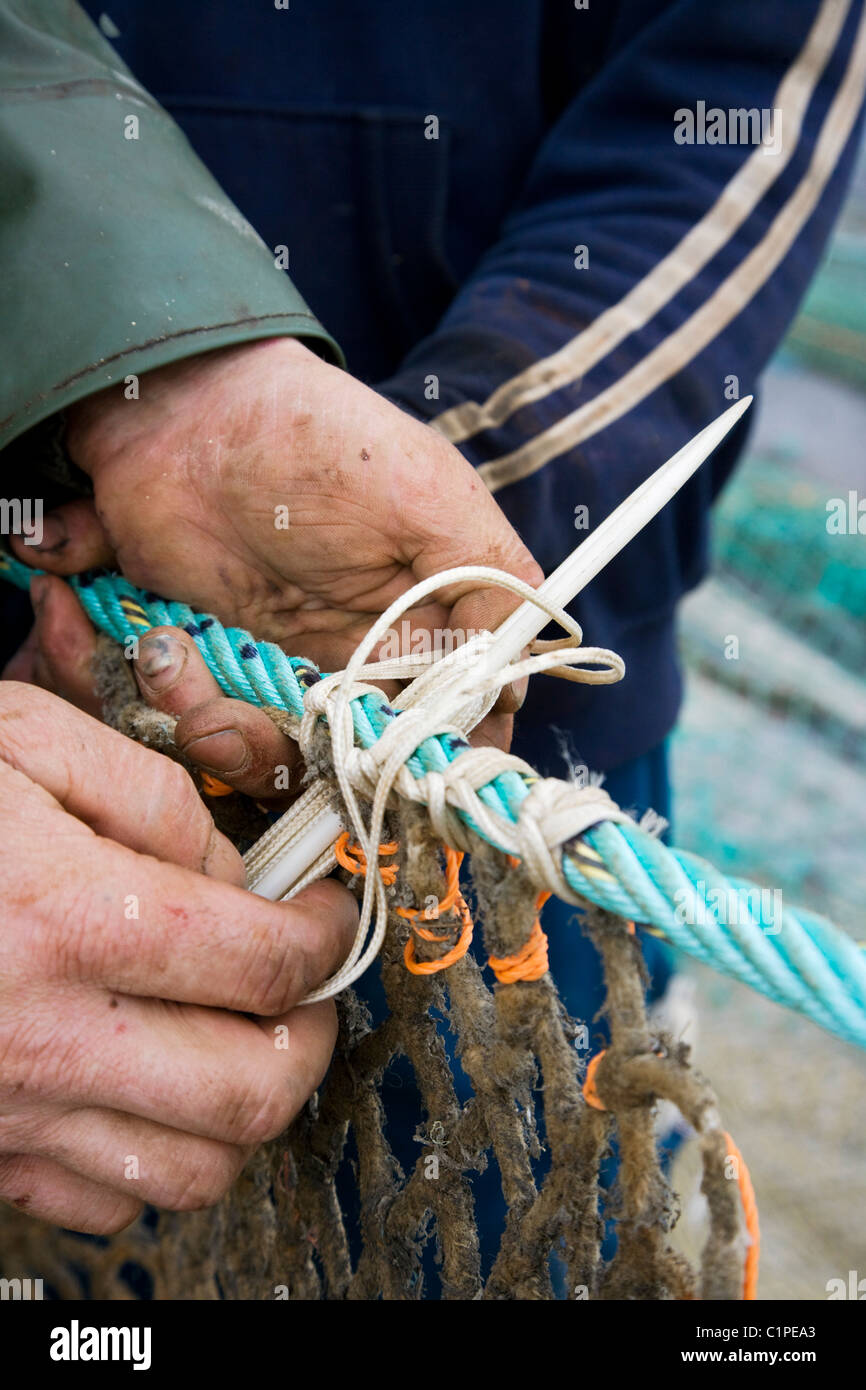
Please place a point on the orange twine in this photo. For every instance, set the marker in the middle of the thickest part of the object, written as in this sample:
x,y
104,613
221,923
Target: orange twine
x,y
750,1212
212,786
458,950
590,1094
453,901
344,853
453,860
351,857
530,962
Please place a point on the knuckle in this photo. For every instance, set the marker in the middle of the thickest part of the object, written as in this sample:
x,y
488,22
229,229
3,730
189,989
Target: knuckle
x,y
16,1177
77,941
115,1216
12,699
11,1166
24,710
261,1113
173,814
34,1057
202,1185
19,698
176,786
273,980
42,1195
16,1128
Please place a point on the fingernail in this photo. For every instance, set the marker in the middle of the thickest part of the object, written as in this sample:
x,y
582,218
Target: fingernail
x,y
160,661
54,535
38,590
226,751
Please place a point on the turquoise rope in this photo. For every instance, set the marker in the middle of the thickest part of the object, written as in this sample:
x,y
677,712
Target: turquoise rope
x,y
801,961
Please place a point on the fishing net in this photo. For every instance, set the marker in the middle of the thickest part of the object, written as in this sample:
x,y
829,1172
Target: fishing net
x,y
536,1112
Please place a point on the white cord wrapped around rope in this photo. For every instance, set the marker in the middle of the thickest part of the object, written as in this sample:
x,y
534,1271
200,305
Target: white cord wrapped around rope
x,y
449,694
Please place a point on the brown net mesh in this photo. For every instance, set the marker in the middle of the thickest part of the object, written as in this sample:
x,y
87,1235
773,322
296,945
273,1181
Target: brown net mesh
x,y
281,1231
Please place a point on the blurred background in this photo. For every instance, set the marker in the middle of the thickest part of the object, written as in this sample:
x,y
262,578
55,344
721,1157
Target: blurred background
x,y
769,771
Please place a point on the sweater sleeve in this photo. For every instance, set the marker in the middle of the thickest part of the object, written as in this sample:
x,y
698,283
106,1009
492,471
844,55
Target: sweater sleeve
x,y
666,233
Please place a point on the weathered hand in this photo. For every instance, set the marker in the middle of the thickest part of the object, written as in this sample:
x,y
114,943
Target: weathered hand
x,y
130,955
263,485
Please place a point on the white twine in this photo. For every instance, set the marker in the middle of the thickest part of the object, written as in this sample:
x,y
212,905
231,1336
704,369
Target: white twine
x,y
447,694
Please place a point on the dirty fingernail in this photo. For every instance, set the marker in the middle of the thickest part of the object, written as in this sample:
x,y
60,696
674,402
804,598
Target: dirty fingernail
x,y
226,751
159,662
54,535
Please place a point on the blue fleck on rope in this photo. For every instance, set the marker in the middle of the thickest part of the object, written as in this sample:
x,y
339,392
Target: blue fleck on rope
x,y
801,961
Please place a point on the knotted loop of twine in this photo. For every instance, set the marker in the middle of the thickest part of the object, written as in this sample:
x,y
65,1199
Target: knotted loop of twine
x,y
450,694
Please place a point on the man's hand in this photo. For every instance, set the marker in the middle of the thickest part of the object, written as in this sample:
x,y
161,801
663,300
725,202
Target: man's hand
x,y
265,486
129,1072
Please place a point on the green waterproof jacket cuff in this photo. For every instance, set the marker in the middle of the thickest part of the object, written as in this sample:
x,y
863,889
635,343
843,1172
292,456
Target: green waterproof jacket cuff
x,y
120,252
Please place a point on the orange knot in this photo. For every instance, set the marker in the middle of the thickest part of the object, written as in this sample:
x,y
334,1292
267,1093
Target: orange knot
x,y
212,786
458,950
352,857
530,962
453,901
453,860
590,1094
750,1213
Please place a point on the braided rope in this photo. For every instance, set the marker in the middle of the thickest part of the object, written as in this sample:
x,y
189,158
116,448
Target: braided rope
x,y
801,961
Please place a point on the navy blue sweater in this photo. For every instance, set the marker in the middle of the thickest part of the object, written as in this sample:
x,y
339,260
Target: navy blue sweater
x,y
435,170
